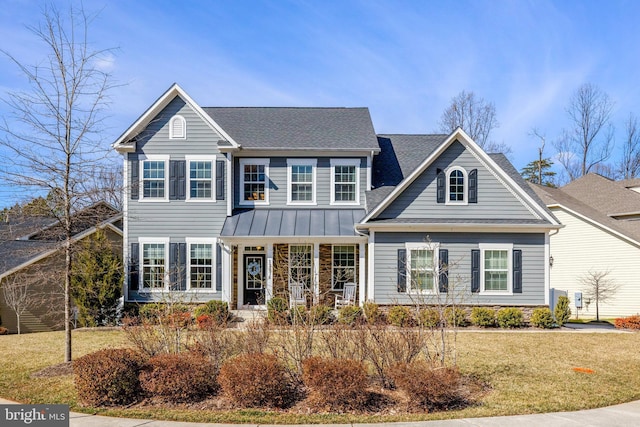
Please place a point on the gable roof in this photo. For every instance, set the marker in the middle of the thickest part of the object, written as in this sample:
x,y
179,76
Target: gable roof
x,y
18,251
508,176
278,128
598,200
126,141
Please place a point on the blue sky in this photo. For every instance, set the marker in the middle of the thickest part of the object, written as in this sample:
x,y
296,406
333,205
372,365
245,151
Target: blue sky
x,y
403,59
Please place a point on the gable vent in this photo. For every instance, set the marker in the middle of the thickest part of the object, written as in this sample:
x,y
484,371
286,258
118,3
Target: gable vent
x,y
177,128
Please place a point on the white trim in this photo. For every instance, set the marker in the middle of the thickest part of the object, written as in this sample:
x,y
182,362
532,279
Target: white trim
x,y
362,295
210,159
240,274
316,272
547,268
431,246
497,247
207,241
259,162
269,273
126,194
333,266
153,158
230,171
370,266
172,128
314,182
369,165
465,187
122,144
456,227
463,138
345,162
153,240
227,273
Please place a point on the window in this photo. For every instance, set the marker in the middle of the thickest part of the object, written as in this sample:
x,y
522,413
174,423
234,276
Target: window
x,y
456,186
153,265
302,177
177,128
345,181
421,268
200,265
301,264
254,181
201,179
496,267
343,266
154,181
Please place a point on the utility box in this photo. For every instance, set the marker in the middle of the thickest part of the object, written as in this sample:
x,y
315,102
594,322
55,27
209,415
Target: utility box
x,y
578,299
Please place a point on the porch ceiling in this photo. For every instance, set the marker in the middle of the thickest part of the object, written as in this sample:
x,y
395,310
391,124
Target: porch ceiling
x,y
293,222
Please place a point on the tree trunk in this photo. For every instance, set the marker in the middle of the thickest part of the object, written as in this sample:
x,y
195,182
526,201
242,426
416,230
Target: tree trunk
x,y
18,320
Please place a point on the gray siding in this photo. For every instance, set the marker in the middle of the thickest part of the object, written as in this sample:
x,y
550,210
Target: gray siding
x,y
419,199
460,246
278,183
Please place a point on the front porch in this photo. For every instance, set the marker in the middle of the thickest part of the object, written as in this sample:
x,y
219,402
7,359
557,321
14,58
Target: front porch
x,y
262,269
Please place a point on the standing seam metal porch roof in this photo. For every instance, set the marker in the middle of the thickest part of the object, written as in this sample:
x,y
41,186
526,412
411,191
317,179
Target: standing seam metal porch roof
x,y
293,223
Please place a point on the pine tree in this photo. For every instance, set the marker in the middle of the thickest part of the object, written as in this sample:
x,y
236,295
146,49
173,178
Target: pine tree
x,y
539,172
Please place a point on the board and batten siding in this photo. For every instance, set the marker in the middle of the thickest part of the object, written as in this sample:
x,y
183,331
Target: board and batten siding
x,y
459,246
278,183
419,200
581,247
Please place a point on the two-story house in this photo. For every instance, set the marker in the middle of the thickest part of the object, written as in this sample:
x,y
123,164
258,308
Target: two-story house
x,y
238,203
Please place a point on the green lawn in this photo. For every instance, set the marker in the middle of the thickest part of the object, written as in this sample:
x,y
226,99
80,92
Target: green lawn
x,y
527,371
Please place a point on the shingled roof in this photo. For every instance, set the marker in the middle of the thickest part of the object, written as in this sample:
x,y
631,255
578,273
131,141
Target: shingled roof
x,y
599,199
297,128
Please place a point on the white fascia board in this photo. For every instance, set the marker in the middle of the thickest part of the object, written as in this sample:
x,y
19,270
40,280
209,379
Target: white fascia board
x,y
466,140
264,240
156,107
466,228
595,223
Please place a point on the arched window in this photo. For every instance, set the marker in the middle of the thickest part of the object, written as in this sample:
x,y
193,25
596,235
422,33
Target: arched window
x,y
457,186
177,128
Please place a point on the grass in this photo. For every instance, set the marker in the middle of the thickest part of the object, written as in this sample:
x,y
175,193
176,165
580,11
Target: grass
x,y
527,373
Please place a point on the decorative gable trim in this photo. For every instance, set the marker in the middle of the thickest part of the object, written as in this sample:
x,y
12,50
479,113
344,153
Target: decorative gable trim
x,y
489,163
124,145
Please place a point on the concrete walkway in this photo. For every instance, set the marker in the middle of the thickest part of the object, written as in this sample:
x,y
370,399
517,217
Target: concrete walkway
x,y
624,415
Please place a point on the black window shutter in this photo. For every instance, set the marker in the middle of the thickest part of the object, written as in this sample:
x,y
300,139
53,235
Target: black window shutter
x,y
443,274
177,264
220,175
218,268
440,186
475,270
135,179
134,267
517,271
473,186
402,270
177,179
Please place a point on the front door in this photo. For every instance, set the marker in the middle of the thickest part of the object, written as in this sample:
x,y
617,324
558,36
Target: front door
x,y
253,279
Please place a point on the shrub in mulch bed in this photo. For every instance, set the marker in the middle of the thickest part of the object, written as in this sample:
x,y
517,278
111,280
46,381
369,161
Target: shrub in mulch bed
x,y
335,384
630,322
256,380
183,377
108,377
429,387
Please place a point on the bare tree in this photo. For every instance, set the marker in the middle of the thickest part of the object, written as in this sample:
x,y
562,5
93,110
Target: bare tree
x,y
476,117
629,165
589,140
598,287
16,295
54,134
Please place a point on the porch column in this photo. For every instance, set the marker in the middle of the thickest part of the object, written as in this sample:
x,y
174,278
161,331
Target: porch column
x,y
371,276
361,274
227,267
269,272
316,273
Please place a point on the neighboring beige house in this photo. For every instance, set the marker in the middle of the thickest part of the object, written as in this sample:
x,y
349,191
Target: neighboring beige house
x,y
31,252
601,232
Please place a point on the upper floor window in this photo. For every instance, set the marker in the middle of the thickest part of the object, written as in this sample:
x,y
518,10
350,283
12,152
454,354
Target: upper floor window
x,y
345,181
302,181
254,181
456,186
421,267
201,179
154,179
177,128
